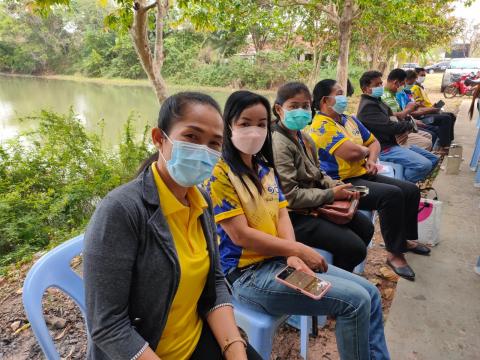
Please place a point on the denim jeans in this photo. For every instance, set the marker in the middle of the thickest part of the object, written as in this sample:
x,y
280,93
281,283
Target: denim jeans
x,y
355,302
417,162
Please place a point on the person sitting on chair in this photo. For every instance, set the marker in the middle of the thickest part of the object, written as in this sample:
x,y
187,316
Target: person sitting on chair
x,y
431,115
395,85
349,152
257,240
153,284
391,133
306,186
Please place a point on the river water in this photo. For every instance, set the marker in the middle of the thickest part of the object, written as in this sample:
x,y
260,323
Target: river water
x,y
23,96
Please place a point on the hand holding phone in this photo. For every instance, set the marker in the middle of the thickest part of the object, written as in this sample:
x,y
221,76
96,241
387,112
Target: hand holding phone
x,y
363,190
305,283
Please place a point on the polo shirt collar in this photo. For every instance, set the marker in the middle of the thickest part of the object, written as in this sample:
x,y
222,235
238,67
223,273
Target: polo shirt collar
x,y
169,203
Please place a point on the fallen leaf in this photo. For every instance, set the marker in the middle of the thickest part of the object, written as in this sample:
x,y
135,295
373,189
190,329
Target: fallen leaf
x,y
61,335
24,327
388,293
388,274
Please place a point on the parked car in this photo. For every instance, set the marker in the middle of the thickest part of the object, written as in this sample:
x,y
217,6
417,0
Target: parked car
x,y
457,68
438,67
410,66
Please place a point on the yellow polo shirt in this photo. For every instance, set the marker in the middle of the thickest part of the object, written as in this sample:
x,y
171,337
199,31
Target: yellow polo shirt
x,y
420,95
184,325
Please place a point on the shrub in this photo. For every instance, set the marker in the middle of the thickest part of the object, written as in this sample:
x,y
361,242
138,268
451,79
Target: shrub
x,y
52,178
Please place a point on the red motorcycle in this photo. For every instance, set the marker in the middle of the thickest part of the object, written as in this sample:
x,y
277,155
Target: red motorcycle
x,y
461,86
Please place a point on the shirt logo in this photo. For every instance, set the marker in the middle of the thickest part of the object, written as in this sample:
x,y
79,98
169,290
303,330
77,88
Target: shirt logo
x,y
272,189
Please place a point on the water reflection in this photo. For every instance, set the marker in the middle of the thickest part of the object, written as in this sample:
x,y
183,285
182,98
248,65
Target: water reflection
x,y
22,96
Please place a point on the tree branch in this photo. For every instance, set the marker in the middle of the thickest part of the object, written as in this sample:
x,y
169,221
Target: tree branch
x,y
137,7
162,10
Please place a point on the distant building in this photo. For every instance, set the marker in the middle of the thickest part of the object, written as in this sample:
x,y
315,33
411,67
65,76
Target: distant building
x,y
458,50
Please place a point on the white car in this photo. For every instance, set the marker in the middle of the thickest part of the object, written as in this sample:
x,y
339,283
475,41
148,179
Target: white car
x,y
457,68
410,66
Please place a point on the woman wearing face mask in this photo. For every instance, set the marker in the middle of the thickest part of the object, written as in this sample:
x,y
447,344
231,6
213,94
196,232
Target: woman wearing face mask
x,y
306,187
257,239
349,152
435,119
154,287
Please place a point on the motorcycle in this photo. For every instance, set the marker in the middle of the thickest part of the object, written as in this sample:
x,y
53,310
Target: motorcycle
x,y
461,86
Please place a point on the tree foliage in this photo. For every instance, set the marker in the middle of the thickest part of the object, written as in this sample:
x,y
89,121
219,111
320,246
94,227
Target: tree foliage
x,y
197,41
52,178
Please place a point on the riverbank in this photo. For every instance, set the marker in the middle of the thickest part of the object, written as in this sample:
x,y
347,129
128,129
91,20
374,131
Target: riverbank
x,y
131,82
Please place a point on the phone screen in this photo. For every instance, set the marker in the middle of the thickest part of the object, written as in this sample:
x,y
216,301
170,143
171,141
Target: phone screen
x,y
304,281
363,190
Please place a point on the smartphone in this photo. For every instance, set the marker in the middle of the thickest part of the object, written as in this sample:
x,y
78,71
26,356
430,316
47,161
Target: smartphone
x,y
305,283
439,104
363,190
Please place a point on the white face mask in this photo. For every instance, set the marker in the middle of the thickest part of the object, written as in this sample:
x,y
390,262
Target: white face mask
x,y
249,140
421,79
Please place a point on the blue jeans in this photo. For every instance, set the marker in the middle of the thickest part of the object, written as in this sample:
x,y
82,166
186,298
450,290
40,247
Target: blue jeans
x,y
417,162
355,302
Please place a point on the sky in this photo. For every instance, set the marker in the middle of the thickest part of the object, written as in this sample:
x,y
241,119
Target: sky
x,y
471,13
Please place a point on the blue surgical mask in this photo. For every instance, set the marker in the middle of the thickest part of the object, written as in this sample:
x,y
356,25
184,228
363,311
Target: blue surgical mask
x,y
297,119
341,103
408,87
377,92
190,164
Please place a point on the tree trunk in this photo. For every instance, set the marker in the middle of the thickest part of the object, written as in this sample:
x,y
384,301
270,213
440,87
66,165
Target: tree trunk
x,y
345,34
152,63
317,61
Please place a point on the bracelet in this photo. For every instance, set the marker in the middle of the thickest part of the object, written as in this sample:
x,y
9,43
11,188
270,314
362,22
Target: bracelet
x,y
231,342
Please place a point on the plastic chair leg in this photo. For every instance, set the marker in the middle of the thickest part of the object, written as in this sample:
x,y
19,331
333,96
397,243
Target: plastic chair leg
x,y
39,327
305,325
261,341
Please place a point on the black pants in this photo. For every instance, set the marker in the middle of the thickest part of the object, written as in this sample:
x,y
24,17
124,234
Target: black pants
x,y
397,204
443,124
208,348
348,243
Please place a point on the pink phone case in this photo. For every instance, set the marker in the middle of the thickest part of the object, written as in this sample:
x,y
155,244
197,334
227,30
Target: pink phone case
x,y
316,297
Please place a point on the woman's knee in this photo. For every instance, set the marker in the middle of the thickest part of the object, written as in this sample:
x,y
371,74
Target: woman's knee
x,y
358,251
362,300
394,196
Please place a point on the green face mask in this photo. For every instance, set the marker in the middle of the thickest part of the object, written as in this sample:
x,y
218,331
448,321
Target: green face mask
x,y
408,87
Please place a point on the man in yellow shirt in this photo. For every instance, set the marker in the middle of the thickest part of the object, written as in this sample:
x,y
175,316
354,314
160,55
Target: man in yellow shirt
x,y
437,120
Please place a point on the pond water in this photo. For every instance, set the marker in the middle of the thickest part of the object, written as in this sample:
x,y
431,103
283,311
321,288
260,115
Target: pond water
x,y
23,96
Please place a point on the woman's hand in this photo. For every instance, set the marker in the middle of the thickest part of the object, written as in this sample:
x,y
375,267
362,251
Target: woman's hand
x,y
371,167
420,124
236,351
299,265
311,258
341,192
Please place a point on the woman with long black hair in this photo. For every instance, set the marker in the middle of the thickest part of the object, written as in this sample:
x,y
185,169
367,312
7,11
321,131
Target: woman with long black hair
x,y
154,287
257,240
